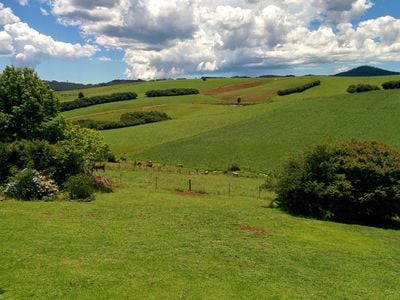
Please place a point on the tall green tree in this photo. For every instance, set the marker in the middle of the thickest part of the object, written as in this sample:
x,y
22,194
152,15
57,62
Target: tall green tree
x,y
26,105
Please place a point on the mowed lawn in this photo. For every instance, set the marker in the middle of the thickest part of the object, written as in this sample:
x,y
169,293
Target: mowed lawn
x,y
138,243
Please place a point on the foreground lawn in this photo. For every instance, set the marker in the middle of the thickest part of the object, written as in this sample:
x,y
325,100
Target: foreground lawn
x,y
141,243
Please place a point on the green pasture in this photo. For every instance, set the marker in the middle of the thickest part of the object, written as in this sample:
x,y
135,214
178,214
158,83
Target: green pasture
x,y
143,243
210,131
260,137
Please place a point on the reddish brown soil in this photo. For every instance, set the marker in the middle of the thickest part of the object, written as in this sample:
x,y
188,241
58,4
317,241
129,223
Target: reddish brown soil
x,y
251,229
230,88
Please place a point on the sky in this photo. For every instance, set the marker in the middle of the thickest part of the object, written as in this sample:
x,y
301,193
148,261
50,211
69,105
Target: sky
x,y
93,41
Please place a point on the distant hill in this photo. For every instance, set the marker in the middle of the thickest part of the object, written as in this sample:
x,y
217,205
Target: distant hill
x,y
65,86
367,71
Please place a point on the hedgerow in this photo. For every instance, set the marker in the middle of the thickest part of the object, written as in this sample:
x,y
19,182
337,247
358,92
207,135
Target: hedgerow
x,y
299,89
85,102
362,88
126,120
171,92
391,85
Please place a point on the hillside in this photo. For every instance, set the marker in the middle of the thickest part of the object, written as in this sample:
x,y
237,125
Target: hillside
x,y
366,71
209,131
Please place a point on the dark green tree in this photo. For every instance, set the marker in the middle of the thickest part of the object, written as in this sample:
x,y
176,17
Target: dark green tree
x,y
26,105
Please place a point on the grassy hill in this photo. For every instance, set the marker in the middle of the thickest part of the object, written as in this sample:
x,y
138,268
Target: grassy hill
x,y
210,131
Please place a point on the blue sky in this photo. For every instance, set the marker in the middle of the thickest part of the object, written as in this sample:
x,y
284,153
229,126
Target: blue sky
x,y
100,40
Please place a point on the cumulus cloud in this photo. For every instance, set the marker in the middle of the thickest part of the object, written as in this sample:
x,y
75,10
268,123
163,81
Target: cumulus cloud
x,y
171,38
26,46
7,16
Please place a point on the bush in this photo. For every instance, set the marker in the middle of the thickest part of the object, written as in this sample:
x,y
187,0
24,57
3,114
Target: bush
x,y
80,187
29,184
85,102
354,181
362,88
83,186
234,167
171,92
391,85
299,89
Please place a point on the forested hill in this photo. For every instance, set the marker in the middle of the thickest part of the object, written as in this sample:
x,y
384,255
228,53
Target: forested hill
x,y
65,86
366,71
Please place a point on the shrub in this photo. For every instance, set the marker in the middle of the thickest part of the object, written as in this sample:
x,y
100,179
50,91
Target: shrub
x,y
355,181
390,85
29,184
362,88
299,89
85,102
80,187
234,167
83,186
171,92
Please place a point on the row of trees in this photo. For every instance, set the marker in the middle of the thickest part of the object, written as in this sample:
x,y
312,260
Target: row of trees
x,y
89,101
390,85
172,92
39,150
126,120
299,89
362,87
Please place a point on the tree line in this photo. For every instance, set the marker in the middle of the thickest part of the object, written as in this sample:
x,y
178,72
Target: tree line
x,y
299,89
95,100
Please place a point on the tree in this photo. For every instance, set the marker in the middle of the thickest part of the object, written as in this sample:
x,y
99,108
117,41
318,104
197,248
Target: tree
x,y
355,181
238,101
26,104
87,144
81,95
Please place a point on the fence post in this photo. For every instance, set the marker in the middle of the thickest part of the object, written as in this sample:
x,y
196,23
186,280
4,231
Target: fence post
x,y
190,185
259,192
156,183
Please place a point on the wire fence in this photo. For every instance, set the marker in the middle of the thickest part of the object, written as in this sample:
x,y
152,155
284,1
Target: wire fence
x,y
183,180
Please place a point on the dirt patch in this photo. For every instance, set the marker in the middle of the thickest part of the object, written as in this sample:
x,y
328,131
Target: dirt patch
x,y
230,88
251,229
192,194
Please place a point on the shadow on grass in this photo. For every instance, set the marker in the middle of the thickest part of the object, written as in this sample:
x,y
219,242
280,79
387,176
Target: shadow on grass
x,y
2,291
393,224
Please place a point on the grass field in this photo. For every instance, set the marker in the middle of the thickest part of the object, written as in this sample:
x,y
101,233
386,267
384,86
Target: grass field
x,y
141,243
151,239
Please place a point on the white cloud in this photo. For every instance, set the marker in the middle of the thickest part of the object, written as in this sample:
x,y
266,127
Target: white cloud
x,y
44,12
26,46
7,16
164,38
104,58
23,2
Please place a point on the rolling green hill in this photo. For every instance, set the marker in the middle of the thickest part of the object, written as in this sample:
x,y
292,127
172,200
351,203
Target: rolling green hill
x,y
210,131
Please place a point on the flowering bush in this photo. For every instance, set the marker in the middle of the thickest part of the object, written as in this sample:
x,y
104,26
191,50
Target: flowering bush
x,y
29,184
